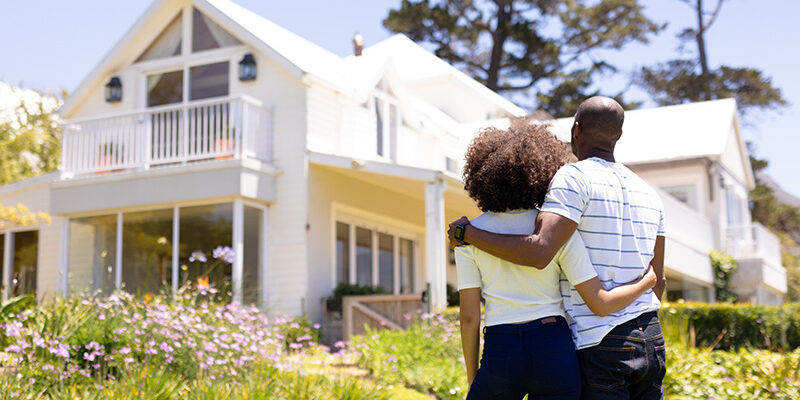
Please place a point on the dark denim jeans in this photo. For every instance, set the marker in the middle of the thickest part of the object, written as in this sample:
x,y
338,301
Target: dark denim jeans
x,y
535,358
629,363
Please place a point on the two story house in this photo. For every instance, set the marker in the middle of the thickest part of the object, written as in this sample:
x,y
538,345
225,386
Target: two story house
x,y
209,126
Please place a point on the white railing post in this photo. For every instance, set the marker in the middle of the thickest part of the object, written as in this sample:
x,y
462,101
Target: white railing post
x,y
245,128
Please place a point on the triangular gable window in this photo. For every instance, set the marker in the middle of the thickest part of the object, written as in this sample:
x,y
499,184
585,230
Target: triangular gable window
x,y
207,34
167,44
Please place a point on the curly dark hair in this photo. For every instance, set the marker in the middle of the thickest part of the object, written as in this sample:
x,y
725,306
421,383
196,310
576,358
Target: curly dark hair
x,y
511,169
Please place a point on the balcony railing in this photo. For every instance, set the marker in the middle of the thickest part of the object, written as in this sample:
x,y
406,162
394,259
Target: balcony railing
x,y
754,241
233,127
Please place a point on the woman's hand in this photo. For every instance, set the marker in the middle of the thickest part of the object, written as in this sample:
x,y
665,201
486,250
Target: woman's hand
x,y
650,278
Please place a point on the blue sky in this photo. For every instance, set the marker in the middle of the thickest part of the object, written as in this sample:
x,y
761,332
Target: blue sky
x,y
52,44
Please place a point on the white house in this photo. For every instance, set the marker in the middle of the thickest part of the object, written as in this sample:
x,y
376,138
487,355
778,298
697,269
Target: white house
x,y
695,155
208,125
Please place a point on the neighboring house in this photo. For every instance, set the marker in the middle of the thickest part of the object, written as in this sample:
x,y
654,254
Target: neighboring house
x,y
208,125
695,155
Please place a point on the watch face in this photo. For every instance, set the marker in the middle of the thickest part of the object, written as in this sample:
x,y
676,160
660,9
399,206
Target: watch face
x,y
459,233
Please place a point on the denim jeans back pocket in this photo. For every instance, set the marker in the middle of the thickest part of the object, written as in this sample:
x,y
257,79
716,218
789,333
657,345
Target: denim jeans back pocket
x,y
661,365
606,367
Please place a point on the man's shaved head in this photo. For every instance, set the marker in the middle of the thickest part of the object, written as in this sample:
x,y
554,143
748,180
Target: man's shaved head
x,y
600,119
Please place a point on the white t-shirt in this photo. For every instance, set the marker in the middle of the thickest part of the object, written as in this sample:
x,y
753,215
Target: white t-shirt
x,y
515,293
619,217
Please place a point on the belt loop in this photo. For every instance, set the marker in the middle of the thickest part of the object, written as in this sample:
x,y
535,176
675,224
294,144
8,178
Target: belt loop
x,y
484,331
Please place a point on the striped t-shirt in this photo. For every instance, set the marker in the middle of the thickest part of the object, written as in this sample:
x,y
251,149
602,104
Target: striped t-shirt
x,y
619,217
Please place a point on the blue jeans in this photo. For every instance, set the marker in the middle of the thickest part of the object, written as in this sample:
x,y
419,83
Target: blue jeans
x,y
629,363
536,358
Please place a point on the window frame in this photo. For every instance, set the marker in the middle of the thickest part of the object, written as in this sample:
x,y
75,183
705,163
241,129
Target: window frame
x,y
376,224
389,132
7,257
264,239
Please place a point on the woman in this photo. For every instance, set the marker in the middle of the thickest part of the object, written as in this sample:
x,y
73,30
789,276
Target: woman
x,y
528,347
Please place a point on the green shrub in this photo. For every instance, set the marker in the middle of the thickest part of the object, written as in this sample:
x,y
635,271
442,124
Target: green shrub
x,y
745,325
334,303
724,266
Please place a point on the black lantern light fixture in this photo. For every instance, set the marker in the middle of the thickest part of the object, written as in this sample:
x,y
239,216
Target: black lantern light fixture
x,y
114,90
247,68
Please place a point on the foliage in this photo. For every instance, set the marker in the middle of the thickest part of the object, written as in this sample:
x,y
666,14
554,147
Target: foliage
x,y
31,139
425,357
697,374
334,303
723,266
511,46
453,298
732,326
20,215
691,80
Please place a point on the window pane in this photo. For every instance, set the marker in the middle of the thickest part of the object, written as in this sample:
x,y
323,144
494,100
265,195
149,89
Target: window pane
x,y
166,88
342,252
2,257
252,279
379,124
363,256
147,251
206,34
26,249
92,253
167,44
203,229
208,81
386,262
406,266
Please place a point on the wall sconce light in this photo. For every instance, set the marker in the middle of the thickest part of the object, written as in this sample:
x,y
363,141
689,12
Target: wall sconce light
x,y
114,90
247,68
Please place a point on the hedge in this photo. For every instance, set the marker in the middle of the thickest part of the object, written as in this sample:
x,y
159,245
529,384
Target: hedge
x,y
744,325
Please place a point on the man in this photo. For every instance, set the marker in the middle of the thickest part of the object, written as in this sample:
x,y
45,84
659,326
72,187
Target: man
x,y
621,221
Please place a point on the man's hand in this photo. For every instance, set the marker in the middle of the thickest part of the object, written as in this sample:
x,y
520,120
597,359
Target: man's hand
x,y
451,231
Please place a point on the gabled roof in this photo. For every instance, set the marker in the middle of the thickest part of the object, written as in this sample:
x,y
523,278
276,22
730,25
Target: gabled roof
x,y
301,56
415,64
672,133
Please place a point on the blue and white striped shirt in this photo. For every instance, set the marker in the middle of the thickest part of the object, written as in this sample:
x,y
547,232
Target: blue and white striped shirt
x,y
619,217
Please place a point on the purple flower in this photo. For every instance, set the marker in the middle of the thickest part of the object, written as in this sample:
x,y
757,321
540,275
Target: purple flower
x,y
225,253
198,255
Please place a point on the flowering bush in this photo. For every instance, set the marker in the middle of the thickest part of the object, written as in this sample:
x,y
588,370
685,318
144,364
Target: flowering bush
x,y
426,356
160,348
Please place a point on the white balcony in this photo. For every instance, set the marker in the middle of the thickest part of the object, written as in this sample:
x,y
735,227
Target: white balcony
x,y
232,127
753,241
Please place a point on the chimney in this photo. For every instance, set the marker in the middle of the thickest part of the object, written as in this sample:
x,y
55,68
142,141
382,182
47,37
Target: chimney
x,y
358,44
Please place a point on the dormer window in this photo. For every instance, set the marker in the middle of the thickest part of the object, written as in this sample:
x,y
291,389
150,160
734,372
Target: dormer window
x,y
387,121
208,35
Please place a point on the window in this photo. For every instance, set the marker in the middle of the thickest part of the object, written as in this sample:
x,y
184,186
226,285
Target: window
x,y
207,35
166,88
386,262
168,42
733,207
208,81
684,193
252,278
363,256
342,252
25,259
202,229
381,258
406,260
379,122
147,251
387,125
93,253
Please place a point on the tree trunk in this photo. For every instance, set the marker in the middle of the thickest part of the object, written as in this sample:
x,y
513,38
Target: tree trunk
x,y
499,36
701,49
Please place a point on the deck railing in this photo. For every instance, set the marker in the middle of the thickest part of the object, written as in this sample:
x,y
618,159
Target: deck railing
x,y
233,127
754,241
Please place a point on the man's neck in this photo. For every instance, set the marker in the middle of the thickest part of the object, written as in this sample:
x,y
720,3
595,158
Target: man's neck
x,y
599,153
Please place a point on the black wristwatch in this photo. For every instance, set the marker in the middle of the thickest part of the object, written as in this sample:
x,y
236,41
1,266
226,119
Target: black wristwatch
x,y
459,233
